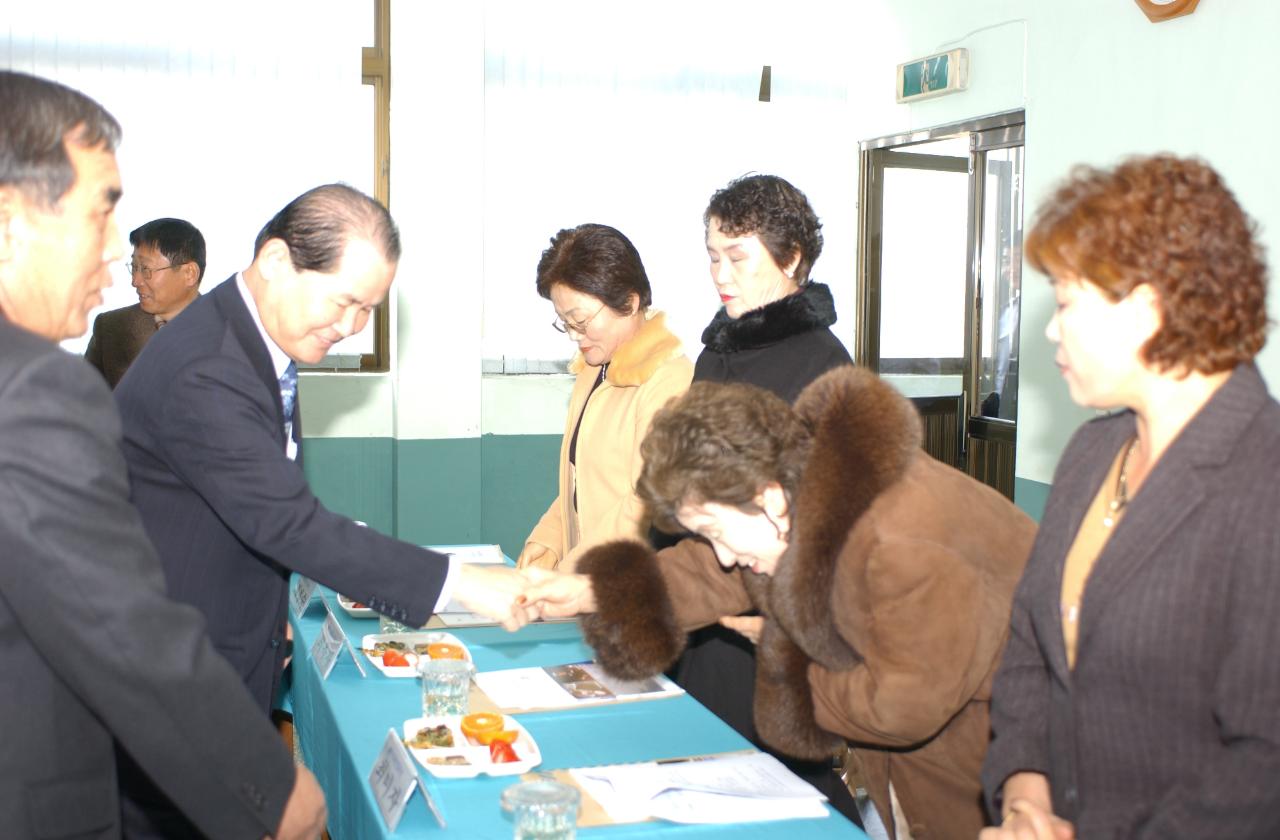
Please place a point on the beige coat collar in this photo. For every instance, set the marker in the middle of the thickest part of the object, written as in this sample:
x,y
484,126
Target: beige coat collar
x,y
639,357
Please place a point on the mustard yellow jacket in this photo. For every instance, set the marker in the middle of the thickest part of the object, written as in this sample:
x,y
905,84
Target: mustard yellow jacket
x,y
645,372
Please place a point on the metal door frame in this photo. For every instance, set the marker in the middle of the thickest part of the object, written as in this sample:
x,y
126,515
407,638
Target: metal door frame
x,y
989,133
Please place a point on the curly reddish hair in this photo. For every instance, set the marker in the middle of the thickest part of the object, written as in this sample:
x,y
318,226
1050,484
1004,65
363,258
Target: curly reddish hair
x,y
1171,223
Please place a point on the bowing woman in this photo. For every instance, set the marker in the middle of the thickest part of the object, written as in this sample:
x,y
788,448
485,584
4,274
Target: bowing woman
x,y
1139,695
884,579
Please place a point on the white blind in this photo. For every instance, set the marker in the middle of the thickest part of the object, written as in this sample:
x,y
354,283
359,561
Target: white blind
x,y
633,116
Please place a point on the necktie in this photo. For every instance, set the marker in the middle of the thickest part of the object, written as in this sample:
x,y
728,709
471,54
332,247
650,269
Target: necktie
x,y
289,395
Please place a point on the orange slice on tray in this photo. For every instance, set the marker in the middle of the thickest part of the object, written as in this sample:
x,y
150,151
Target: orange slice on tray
x,y
443,650
507,735
478,725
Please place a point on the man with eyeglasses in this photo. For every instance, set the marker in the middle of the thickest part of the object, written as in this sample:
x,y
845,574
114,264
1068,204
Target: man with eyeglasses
x,y
167,267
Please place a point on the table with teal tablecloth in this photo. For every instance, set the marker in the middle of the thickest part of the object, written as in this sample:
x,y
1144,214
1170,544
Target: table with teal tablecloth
x,y
342,722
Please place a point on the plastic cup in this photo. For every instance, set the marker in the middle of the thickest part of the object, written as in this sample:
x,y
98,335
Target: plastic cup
x,y
390,625
446,684
543,809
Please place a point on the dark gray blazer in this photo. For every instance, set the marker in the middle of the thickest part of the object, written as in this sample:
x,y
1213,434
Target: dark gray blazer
x,y
118,337
229,513
90,647
1169,726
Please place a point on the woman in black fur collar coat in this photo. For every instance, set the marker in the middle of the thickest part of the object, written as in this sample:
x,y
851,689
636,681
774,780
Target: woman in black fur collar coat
x,y
773,331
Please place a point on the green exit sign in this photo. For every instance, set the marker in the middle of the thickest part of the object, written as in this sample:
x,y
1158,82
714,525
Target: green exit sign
x,y
933,75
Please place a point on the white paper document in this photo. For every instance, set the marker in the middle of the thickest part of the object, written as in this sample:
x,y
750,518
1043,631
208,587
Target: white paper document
x,y
486,554
567,686
752,787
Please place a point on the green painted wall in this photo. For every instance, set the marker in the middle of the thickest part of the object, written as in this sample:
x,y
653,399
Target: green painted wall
x,y
518,477
438,491
1030,495
490,489
353,476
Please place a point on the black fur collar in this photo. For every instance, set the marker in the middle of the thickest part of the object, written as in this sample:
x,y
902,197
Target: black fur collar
x,y
811,308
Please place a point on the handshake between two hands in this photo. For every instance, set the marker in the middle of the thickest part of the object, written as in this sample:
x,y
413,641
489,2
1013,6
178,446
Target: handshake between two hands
x,y
516,597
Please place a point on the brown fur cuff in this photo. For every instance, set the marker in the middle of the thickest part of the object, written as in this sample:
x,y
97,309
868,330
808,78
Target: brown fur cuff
x,y
633,630
784,701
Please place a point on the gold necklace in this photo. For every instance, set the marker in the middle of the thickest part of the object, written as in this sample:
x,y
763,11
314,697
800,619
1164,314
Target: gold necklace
x,y
1121,497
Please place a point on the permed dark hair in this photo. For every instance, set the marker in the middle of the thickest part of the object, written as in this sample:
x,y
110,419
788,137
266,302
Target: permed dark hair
x,y
772,209
721,443
1171,223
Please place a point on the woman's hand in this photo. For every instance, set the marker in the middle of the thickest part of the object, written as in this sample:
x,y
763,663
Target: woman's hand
x,y
1028,812
536,555
748,625
556,594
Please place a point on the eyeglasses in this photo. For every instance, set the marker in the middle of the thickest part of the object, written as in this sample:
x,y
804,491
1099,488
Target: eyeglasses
x,y
146,273
579,328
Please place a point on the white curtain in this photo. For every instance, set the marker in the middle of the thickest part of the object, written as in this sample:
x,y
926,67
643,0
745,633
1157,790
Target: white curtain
x,y
229,109
633,116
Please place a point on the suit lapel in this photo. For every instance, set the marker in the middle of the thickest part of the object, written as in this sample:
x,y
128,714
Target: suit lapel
x,y
1176,490
1172,492
233,309
141,329
297,425
1063,519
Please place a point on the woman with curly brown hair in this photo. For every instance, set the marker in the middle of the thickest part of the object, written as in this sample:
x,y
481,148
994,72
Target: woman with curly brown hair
x,y
1139,694
884,578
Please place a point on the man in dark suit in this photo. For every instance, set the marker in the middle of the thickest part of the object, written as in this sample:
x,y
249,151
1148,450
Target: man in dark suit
x,y
90,647
167,267
212,440
212,435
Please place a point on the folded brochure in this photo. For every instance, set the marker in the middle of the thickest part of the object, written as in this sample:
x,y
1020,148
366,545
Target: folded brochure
x,y
566,687
730,788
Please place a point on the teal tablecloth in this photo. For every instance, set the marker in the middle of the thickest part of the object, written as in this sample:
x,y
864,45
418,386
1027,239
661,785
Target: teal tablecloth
x,y
341,724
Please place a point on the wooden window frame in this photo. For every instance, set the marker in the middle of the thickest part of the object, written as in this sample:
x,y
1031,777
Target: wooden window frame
x,y
375,70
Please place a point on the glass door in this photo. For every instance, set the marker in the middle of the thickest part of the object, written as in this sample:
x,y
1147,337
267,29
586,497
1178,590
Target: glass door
x,y
992,416
939,278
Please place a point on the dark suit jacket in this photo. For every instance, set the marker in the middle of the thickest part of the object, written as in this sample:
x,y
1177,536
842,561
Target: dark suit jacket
x,y
90,647
1169,725
118,337
230,514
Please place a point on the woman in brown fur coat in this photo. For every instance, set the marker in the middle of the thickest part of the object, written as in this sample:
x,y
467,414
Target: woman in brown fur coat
x,y
885,578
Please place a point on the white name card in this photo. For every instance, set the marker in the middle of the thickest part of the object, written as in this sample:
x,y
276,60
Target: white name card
x,y
393,780
300,594
324,651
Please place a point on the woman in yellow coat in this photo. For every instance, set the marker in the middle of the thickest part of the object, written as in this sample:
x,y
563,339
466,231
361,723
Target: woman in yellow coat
x,y
628,365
